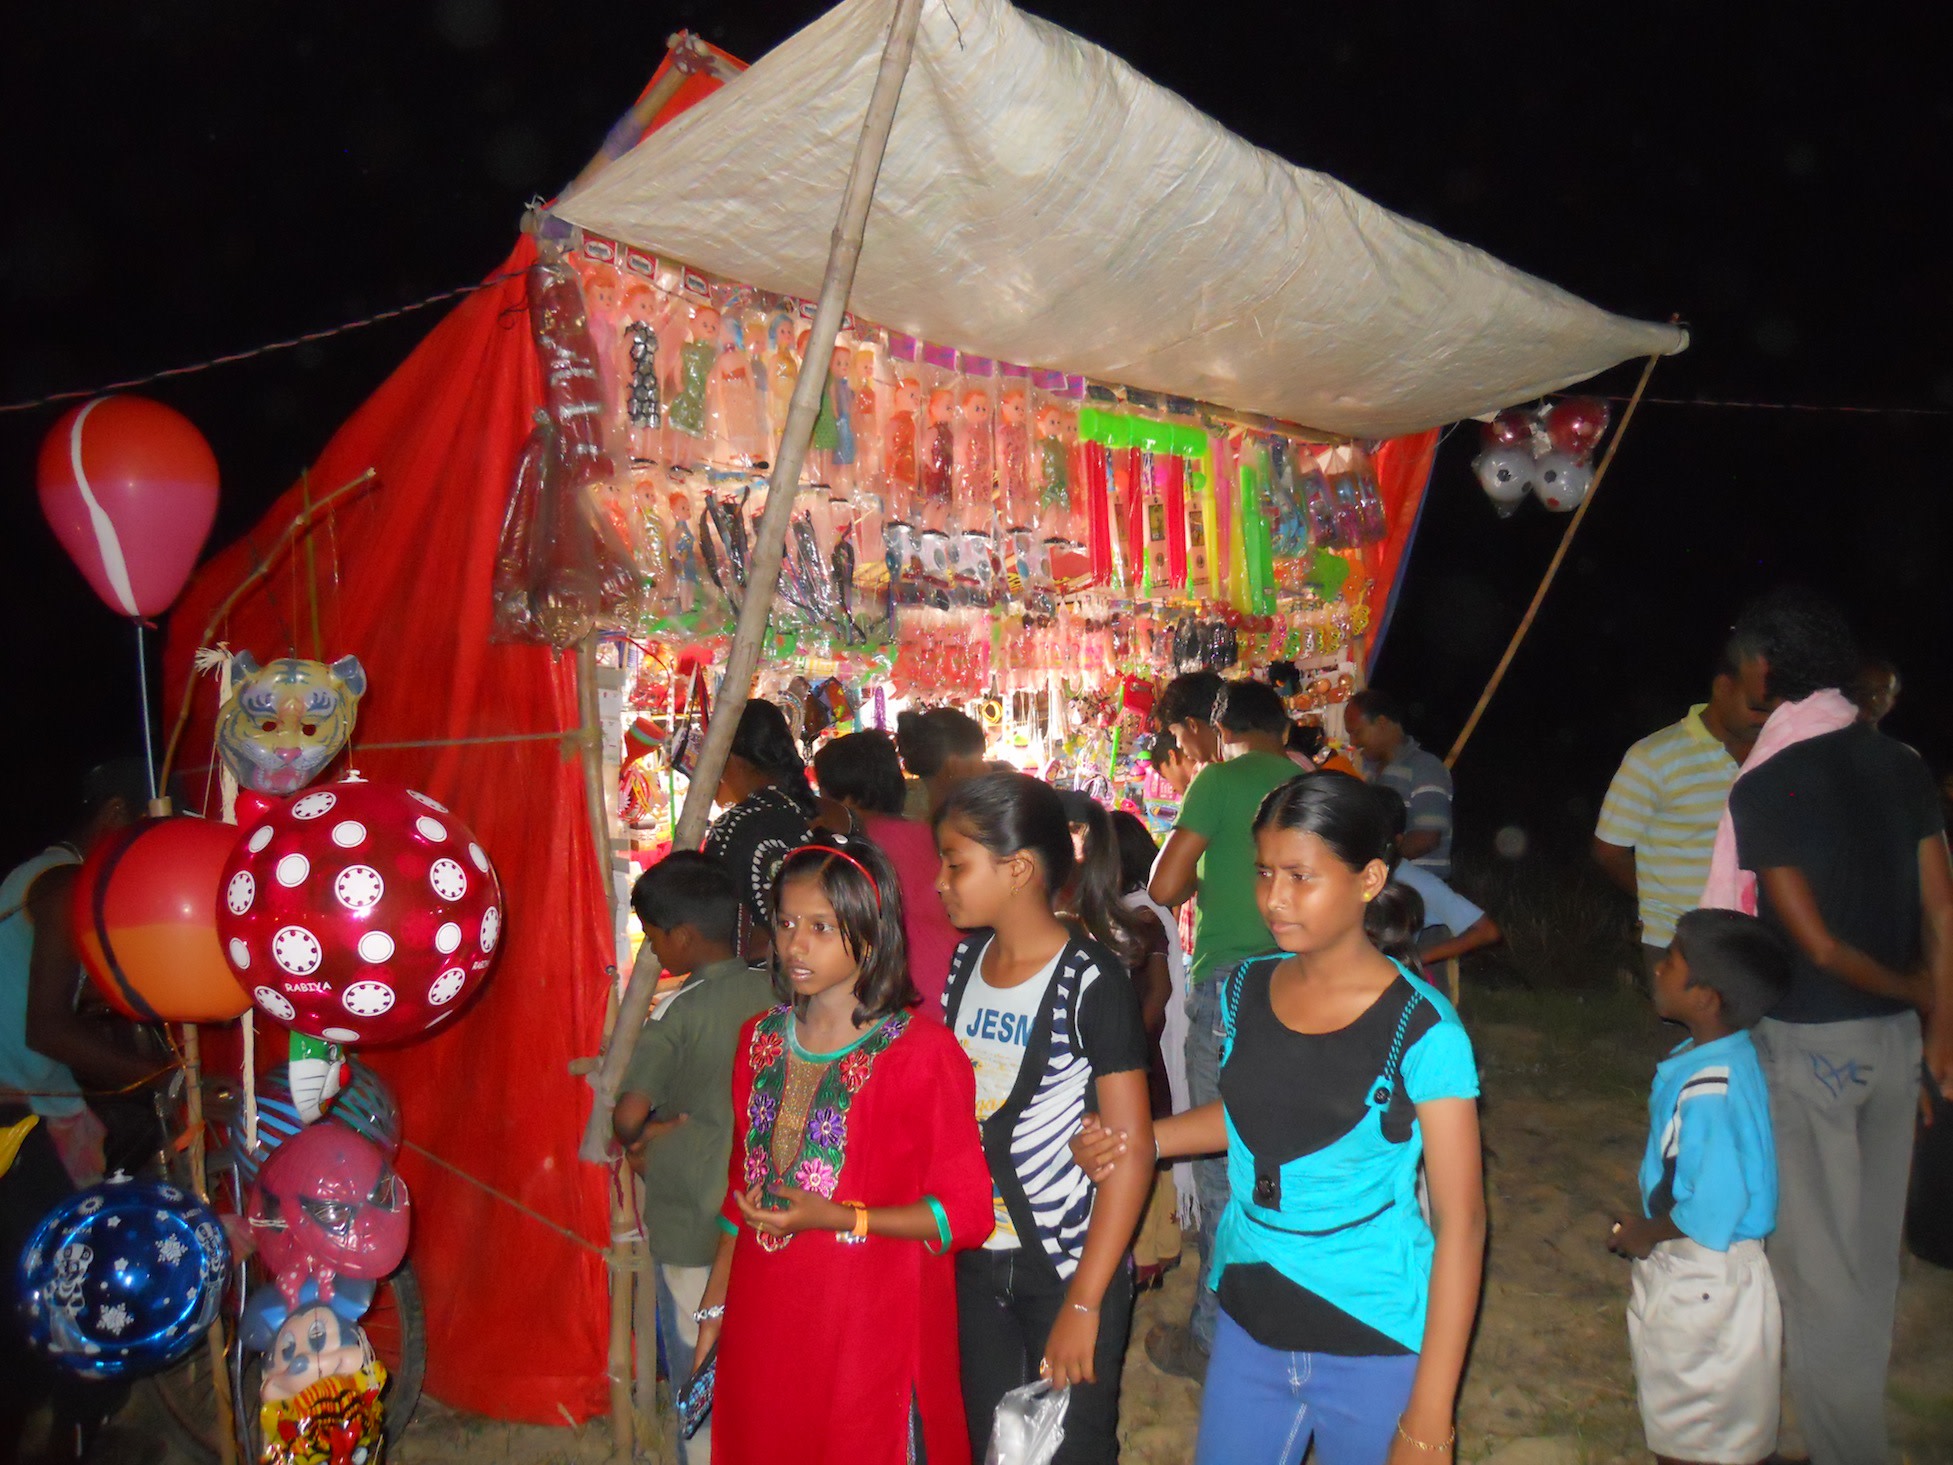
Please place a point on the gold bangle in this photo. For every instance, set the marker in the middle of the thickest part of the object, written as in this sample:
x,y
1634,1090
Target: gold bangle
x,y
860,1221
1412,1440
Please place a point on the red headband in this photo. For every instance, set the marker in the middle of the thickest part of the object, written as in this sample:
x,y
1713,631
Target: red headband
x,y
840,854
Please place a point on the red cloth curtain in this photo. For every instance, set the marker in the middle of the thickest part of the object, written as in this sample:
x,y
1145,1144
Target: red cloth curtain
x,y
516,1314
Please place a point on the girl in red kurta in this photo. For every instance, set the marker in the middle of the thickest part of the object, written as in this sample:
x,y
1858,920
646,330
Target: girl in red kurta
x,y
856,1169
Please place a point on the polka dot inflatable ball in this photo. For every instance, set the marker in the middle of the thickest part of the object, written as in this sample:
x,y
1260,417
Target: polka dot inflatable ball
x,y
360,913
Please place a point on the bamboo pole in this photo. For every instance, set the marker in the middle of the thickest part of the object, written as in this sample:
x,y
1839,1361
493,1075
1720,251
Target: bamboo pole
x,y
1552,568
220,1373
743,659
590,738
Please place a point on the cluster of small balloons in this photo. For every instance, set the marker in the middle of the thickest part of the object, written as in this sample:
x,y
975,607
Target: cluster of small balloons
x,y
1545,450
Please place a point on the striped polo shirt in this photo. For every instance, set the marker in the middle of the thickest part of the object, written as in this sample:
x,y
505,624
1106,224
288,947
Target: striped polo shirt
x,y
1664,804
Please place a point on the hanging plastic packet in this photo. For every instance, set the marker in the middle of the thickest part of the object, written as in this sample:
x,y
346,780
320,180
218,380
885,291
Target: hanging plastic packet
x,y
936,464
975,441
842,472
869,389
1029,1426
641,323
733,411
1290,536
782,365
1369,500
1318,508
1013,437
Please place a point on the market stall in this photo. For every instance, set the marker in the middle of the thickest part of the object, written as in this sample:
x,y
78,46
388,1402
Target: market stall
x,y
1117,393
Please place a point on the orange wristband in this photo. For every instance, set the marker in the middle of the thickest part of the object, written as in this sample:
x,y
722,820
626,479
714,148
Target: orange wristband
x,y
860,1222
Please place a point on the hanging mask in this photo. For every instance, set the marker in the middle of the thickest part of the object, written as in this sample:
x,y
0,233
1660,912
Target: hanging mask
x,y
286,721
327,1203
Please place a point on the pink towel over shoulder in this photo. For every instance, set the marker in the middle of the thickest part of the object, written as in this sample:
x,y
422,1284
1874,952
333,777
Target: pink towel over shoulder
x,y
1731,887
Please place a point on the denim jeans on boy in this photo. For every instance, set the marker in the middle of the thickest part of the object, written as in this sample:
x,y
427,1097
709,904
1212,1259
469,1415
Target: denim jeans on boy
x,y
1261,1406
680,1290
1204,1036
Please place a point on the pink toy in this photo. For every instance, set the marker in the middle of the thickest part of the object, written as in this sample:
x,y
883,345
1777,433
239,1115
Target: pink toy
x,y
1014,458
328,1205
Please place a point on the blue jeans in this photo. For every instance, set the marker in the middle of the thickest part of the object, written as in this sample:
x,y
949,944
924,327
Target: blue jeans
x,y
1204,1036
680,1290
1261,1406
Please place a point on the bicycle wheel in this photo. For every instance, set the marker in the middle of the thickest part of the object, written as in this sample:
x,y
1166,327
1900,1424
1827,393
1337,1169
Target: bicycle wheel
x,y
397,1327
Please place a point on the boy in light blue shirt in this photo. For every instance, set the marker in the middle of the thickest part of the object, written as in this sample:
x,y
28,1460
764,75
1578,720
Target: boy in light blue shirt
x,y
1703,1321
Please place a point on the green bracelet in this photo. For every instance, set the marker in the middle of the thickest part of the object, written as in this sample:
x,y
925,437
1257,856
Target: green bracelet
x,y
942,1226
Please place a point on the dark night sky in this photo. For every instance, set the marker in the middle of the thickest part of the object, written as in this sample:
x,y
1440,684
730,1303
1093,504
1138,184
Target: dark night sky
x,y
189,179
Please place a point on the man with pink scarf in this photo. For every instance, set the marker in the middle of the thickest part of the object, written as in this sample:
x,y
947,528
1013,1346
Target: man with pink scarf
x,y
1834,837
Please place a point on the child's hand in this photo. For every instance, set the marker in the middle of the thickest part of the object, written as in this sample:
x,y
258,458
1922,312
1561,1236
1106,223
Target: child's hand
x,y
1096,1148
1068,1351
803,1212
1633,1236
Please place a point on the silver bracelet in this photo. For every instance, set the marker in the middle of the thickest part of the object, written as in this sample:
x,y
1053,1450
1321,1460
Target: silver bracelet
x,y
709,1314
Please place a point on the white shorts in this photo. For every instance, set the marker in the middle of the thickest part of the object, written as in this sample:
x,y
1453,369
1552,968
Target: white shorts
x,y
1707,1336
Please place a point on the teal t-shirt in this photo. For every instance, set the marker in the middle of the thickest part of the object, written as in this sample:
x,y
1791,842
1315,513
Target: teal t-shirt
x,y
1345,1226
1220,807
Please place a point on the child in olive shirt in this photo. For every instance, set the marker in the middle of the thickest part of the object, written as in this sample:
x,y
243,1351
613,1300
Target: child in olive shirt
x,y
674,1107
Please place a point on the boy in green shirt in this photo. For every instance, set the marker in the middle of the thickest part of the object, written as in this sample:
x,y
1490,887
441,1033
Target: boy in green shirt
x,y
674,1106
1210,858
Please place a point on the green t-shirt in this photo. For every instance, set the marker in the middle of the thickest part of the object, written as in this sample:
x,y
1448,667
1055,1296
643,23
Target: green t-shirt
x,y
683,1065
1220,807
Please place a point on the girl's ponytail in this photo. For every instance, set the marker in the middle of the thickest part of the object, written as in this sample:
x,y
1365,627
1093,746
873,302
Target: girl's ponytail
x,y
1393,920
1099,885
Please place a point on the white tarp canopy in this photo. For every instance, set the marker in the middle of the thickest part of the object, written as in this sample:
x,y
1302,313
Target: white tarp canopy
x,y
1041,202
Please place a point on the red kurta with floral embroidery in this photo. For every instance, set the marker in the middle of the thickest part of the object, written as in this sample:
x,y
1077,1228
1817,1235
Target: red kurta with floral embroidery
x,y
826,1340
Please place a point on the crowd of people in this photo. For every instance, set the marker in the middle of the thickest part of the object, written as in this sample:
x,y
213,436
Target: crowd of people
x,y
957,1057
1275,1073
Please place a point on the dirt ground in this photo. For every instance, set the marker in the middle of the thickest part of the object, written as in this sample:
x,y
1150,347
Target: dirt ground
x,y
1565,1083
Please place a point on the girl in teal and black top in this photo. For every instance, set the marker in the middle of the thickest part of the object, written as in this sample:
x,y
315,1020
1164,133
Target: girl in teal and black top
x,y
1345,1314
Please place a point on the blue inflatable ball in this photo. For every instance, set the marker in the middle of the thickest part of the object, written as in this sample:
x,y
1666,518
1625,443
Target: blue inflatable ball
x,y
123,1278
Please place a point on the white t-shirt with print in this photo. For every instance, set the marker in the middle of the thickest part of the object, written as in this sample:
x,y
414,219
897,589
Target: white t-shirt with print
x,y
994,1027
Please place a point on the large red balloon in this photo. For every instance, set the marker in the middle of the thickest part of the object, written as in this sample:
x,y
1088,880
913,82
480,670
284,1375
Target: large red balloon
x,y
360,913
129,487
144,922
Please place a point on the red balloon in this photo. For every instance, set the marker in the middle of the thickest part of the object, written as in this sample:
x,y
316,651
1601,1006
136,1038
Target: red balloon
x,y
1512,428
143,924
1576,424
360,913
129,487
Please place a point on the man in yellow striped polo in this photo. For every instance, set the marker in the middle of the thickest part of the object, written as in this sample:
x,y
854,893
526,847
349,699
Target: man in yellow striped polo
x,y
1658,822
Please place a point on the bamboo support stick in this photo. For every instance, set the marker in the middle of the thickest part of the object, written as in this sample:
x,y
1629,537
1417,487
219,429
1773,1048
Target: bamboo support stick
x,y
743,659
220,1373
300,522
1552,568
590,738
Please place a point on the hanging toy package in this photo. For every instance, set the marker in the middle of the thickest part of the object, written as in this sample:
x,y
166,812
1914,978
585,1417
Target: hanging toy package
x,y
936,450
562,569
1029,1426
733,416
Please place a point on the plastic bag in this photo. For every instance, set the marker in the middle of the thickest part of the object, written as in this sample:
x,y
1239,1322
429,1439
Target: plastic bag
x,y
1029,1427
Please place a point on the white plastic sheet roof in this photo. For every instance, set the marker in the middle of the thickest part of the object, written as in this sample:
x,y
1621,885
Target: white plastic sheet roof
x,y
1041,202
